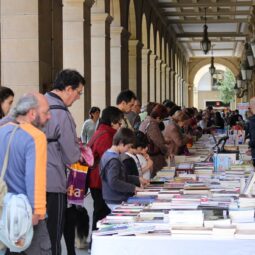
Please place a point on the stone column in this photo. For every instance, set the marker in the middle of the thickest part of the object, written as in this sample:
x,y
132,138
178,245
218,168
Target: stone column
x,y
168,81
181,91
132,55
190,95
163,82
87,52
195,93
185,94
153,58
27,47
73,50
100,59
145,75
158,80
119,65
176,88
172,88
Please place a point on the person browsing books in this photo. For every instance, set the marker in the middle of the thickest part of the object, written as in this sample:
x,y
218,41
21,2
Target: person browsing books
x,y
117,185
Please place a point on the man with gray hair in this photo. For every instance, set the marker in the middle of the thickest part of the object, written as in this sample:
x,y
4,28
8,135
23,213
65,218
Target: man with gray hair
x,y
26,170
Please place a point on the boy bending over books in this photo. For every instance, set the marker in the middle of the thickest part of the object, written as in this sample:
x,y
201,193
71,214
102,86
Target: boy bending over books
x,y
117,185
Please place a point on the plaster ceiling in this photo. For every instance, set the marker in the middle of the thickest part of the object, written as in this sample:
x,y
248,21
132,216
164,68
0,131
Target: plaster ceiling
x,y
227,22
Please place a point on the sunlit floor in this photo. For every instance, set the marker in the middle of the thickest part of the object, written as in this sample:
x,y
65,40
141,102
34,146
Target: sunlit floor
x,y
89,207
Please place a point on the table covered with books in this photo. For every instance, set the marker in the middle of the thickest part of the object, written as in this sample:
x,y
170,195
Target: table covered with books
x,y
168,245
191,207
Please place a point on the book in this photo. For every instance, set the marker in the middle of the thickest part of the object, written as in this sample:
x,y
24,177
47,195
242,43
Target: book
x,y
249,184
224,230
141,199
110,230
187,230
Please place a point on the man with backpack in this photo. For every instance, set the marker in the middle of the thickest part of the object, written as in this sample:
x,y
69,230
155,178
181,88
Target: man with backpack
x,y
25,172
63,149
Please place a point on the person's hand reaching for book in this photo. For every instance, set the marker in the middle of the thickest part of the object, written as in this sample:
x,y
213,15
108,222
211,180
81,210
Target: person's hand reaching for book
x,y
143,182
137,189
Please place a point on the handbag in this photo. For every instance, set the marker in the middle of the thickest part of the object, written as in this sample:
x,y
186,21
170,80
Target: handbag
x,y
76,183
87,156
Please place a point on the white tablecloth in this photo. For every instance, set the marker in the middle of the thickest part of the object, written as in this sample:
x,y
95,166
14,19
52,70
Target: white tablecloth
x,y
167,245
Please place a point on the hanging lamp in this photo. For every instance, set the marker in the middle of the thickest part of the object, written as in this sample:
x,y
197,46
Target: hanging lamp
x,y
212,68
205,43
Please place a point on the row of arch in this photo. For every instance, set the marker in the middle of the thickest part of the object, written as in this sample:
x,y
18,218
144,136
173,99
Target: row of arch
x,y
144,56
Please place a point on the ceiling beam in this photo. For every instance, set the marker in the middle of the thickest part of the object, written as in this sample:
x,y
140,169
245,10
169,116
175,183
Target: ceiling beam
x,y
227,13
198,21
218,4
212,34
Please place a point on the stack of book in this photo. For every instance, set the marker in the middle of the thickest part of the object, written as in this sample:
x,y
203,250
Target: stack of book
x,y
194,188
203,170
184,168
247,201
241,215
186,218
166,172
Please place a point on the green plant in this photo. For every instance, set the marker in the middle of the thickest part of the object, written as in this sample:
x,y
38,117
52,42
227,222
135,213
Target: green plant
x,y
226,87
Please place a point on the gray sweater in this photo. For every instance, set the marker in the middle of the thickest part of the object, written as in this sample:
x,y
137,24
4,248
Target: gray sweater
x,y
65,150
117,186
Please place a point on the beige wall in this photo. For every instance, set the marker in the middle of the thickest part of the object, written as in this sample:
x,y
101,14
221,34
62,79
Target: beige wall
x,y
204,96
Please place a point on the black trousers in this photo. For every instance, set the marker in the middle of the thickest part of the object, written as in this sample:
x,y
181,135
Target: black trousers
x,y
69,230
56,209
100,208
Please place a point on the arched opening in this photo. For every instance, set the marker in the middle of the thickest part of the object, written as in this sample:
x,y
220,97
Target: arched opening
x,y
115,12
205,86
119,64
158,69
152,66
133,48
145,63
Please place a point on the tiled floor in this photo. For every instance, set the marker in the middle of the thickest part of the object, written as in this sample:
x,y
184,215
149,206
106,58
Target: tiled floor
x,y
89,207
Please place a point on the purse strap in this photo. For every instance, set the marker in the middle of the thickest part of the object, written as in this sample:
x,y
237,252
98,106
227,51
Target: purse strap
x,y
6,158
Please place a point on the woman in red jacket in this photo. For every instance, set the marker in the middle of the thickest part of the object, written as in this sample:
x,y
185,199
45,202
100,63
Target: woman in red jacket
x,y
109,123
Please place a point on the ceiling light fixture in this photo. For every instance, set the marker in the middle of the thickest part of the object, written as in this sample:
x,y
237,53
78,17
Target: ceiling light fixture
x,y
212,68
205,43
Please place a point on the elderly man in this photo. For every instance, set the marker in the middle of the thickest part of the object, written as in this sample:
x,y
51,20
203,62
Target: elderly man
x,y
63,149
26,170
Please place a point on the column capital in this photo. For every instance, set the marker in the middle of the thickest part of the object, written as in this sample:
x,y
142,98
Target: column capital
x,y
146,51
73,1
168,67
163,64
133,42
153,56
101,17
116,30
89,3
159,61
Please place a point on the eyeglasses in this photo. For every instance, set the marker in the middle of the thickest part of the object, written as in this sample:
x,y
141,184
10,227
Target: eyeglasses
x,y
79,92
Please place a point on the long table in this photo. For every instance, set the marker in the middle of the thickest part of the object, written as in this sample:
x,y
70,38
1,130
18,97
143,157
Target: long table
x,y
169,245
